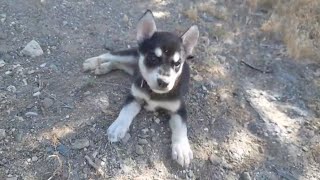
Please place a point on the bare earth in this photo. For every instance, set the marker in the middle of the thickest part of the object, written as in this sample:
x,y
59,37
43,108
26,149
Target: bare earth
x,y
253,112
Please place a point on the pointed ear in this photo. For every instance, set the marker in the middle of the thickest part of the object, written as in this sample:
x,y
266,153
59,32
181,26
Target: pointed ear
x,y
190,39
146,26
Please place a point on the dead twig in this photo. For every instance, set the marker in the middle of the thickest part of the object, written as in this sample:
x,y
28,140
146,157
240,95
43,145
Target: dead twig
x,y
255,68
94,165
59,167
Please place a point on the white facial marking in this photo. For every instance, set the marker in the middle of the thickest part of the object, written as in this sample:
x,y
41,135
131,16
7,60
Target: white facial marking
x,y
181,151
120,126
158,52
176,57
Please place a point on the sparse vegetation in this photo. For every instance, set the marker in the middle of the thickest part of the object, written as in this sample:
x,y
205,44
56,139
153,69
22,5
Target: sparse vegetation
x,y
297,22
219,12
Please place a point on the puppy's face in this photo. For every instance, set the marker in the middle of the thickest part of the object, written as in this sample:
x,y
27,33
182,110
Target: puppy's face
x,y
162,54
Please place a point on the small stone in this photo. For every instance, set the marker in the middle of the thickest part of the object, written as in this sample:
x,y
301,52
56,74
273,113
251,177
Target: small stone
x,y
126,138
206,129
142,141
153,139
32,49
245,176
29,114
43,65
190,174
34,158
8,73
47,102
36,94
31,72
81,143
12,178
198,77
11,88
317,73
2,133
215,160
145,130
305,149
139,150
63,150
2,63
157,120
18,136
125,18
64,23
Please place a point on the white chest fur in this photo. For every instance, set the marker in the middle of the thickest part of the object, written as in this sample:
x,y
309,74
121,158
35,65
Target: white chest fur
x,y
152,105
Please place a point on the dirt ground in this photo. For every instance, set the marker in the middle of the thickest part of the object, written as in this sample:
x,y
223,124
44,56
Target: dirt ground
x,y
254,113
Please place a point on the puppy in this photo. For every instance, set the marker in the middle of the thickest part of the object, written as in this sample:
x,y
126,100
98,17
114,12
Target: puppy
x,y
160,80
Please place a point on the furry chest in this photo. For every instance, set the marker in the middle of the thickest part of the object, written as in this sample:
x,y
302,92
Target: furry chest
x,y
153,105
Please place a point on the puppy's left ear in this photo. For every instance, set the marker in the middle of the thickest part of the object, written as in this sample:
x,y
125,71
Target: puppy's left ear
x,y
190,39
146,26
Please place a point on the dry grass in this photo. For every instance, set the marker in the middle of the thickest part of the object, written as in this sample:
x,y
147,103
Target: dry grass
x,y
297,22
219,12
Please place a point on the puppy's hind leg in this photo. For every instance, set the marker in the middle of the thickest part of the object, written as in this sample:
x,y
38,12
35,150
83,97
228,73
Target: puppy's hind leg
x,y
129,57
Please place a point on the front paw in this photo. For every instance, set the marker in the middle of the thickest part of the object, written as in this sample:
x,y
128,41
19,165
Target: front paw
x,y
91,64
182,153
117,131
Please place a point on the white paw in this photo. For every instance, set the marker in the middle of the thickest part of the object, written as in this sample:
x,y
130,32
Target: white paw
x,y
117,131
91,63
104,68
182,153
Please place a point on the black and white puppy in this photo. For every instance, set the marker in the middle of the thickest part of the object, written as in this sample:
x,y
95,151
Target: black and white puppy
x,y
161,78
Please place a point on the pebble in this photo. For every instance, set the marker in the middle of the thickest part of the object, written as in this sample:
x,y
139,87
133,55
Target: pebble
x,y
245,176
31,72
126,138
153,139
36,94
198,77
32,49
12,178
34,158
145,130
18,135
81,143
47,102
28,114
12,89
305,149
125,18
139,150
63,150
142,141
2,133
157,120
8,73
215,160
2,63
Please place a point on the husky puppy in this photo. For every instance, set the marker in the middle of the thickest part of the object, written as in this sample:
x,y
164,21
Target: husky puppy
x,y
160,80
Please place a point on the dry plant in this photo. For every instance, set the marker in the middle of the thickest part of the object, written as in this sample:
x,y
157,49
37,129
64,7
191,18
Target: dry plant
x,y
298,24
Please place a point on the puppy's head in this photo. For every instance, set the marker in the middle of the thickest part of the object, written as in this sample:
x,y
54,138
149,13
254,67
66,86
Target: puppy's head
x,y
162,54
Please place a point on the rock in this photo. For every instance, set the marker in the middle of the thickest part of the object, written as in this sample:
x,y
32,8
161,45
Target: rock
x,y
305,149
81,143
29,114
12,178
2,63
31,72
126,138
36,94
190,174
157,120
2,133
317,73
47,102
11,88
198,77
145,130
142,141
153,139
18,135
125,18
245,176
215,160
63,150
139,150
34,158
32,49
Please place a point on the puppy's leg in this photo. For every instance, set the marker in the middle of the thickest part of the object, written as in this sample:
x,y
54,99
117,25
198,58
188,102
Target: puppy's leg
x,y
128,57
105,68
120,126
181,151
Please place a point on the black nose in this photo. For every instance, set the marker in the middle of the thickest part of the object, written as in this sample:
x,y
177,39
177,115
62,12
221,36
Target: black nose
x,y
162,84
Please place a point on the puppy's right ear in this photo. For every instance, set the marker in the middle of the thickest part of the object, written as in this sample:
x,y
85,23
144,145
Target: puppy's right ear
x,y
146,26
